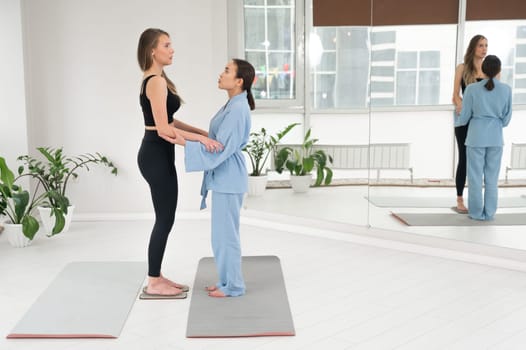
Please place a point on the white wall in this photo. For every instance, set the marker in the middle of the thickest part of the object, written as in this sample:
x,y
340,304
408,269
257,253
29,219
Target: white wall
x,y
13,135
83,86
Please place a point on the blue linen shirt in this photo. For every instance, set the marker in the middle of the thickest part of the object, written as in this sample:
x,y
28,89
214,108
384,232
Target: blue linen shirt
x,y
487,112
224,171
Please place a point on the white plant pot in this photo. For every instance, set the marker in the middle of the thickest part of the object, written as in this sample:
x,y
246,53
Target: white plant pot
x,y
300,184
15,236
48,221
257,185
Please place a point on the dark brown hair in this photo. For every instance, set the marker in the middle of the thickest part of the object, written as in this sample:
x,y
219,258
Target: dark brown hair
x,y
147,42
470,73
491,67
246,72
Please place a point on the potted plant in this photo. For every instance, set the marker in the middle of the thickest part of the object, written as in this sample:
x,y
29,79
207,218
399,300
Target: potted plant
x,y
54,174
259,147
18,206
302,162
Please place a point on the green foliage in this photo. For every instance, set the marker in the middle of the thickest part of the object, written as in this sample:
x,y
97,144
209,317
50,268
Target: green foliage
x,y
304,161
260,146
16,203
54,173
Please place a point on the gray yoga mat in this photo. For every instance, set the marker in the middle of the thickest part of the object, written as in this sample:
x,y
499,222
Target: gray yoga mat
x,y
85,300
436,202
263,311
439,219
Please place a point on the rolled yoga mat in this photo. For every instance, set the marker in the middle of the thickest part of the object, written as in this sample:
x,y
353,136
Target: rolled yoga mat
x,y
263,311
85,300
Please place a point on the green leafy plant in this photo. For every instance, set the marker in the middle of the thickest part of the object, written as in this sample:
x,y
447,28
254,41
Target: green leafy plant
x,y
305,160
261,145
55,172
17,204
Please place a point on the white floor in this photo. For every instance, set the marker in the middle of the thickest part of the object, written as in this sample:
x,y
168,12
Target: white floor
x,y
349,205
343,295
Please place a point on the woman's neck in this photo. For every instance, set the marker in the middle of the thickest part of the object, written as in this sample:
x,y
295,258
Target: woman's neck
x,y
234,92
154,70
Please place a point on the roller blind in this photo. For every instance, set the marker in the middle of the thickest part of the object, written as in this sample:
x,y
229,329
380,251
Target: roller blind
x,y
341,12
477,10
384,12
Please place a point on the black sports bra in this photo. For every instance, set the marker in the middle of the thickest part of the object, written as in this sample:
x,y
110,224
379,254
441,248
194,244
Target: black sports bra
x,y
173,102
463,83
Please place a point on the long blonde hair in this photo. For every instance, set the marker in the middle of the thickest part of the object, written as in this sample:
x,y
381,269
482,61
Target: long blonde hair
x,y
147,42
470,72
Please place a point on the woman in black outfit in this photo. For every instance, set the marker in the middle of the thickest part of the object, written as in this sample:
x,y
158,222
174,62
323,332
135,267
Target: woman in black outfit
x,y
159,101
466,73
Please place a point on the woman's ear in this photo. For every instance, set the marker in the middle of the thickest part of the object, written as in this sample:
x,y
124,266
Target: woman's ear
x,y
240,82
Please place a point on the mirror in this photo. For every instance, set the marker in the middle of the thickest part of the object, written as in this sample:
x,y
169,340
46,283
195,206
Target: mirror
x,y
408,125
429,133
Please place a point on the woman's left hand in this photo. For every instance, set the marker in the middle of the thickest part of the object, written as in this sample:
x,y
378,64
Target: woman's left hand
x,y
211,145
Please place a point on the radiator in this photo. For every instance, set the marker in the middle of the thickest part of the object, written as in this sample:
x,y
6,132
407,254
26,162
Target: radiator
x,y
518,158
376,156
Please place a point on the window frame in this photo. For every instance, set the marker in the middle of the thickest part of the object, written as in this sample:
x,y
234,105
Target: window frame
x,y
236,48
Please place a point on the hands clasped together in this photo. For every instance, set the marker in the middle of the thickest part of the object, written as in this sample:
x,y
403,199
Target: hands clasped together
x,y
210,144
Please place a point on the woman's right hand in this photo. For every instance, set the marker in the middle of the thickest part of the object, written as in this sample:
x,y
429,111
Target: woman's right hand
x,y
458,107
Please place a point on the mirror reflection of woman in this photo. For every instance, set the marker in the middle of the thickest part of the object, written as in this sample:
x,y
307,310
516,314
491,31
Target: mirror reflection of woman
x,y
487,107
468,72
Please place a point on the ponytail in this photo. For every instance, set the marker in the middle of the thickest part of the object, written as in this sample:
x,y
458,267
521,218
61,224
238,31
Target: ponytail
x,y
490,84
250,99
491,67
246,72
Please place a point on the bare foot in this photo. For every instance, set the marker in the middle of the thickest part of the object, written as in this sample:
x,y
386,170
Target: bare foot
x,y
216,294
460,205
210,288
172,283
156,285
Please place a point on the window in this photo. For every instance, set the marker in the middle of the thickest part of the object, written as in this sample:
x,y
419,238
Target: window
x,y
352,67
270,32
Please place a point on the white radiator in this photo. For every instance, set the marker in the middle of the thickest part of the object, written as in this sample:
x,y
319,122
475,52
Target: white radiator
x,y
376,156
518,158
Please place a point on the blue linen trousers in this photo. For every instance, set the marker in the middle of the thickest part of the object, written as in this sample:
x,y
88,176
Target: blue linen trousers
x,y
483,168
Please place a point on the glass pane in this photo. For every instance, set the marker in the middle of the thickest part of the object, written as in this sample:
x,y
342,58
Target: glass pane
x,y
407,60
280,76
254,2
280,2
270,47
506,40
254,35
339,65
428,87
430,59
405,88
324,91
280,29
401,58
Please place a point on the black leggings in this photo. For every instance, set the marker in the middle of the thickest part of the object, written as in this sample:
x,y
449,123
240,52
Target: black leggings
x,y
156,161
460,179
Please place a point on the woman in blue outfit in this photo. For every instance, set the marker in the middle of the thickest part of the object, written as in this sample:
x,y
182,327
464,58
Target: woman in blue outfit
x,y
487,109
468,72
159,101
225,174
